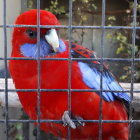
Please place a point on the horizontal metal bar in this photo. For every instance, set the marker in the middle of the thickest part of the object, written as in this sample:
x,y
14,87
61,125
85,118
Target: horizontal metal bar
x,y
99,90
35,26
74,27
27,58
66,90
107,59
60,121
35,90
75,59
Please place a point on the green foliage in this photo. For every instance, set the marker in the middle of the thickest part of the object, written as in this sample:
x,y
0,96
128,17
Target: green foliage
x,y
123,39
111,20
18,137
15,131
30,4
55,8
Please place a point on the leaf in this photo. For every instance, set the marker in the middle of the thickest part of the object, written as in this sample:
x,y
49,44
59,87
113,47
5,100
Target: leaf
x,y
18,126
109,36
112,18
19,137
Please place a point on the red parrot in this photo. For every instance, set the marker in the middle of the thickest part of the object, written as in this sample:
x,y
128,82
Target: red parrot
x,y
54,75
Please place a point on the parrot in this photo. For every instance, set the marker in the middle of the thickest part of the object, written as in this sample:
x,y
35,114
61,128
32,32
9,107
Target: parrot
x,y
54,74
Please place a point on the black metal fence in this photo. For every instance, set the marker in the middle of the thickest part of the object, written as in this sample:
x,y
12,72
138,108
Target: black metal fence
x,y
134,28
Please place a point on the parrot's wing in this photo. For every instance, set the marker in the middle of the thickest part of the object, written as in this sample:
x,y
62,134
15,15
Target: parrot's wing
x,y
91,74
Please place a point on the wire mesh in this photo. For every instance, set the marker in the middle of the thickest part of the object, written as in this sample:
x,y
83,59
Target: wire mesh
x,y
6,121
6,69
132,65
69,65
38,67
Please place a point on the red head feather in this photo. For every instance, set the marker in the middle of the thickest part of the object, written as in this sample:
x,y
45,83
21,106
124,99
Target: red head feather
x,y
30,18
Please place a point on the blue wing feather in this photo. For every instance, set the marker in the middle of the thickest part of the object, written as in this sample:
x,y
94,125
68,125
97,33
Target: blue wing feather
x,y
91,77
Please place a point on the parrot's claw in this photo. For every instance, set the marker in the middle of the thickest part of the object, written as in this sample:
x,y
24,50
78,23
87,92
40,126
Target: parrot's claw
x,y
79,121
67,120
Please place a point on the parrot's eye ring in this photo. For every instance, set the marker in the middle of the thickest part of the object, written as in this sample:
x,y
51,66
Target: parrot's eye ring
x,y
31,33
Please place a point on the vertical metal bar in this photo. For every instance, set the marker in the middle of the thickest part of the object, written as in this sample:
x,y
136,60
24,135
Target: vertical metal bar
x,y
38,67
6,74
69,64
101,67
132,65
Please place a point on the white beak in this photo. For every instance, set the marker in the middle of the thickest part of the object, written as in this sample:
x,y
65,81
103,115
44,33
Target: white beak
x,y
52,39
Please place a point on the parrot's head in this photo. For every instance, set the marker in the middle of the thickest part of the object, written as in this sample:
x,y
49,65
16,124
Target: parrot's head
x,y
24,40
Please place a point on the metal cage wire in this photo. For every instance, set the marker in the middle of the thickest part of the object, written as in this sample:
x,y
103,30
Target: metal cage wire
x,y
6,121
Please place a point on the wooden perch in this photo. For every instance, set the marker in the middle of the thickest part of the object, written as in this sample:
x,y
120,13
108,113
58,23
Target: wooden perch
x,y
13,100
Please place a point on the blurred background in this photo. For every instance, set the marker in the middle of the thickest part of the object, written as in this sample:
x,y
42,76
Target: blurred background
x,y
117,44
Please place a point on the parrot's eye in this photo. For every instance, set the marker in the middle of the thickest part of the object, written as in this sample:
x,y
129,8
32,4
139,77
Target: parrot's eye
x,y
48,32
31,33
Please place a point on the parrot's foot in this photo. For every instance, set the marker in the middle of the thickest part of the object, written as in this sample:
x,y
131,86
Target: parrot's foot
x,y
67,120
